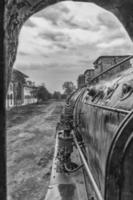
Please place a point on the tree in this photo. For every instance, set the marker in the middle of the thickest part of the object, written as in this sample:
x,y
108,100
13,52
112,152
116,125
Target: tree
x,y
57,95
43,94
68,87
63,96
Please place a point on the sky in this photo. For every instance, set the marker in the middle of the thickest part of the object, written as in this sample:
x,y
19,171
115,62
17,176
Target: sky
x,y
62,41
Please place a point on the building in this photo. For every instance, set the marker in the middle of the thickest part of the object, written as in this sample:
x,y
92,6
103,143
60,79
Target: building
x,y
89,74
103,63
15,95
10,96
20,90
29,93
81,81
18,80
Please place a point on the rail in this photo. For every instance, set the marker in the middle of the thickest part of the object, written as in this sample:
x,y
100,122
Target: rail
x,y
109,108
97,191
113,67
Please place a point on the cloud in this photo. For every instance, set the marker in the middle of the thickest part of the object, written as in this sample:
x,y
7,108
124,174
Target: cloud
x,y
54,13
63,40
105,19
114,43
29,23
55,36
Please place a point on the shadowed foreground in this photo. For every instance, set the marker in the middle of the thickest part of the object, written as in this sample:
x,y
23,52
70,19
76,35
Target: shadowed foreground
x,y
30,148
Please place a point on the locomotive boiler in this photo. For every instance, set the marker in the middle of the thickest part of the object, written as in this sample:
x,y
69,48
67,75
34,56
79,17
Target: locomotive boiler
x,y
93,156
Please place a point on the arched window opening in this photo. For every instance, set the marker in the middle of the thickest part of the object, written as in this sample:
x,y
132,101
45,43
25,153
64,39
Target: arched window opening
x,y
57,46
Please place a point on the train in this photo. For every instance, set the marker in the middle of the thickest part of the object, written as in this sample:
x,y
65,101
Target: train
x,y
93,158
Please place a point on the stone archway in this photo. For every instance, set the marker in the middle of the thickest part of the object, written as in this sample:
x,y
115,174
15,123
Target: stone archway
x,y
18,11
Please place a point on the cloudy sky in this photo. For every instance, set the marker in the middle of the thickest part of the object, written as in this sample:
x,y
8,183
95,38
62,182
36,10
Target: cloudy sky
x,y
60,42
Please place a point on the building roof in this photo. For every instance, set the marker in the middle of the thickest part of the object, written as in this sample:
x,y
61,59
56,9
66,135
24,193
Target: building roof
x,y
20,73
89,70
18,76
30,84
80,76
110,56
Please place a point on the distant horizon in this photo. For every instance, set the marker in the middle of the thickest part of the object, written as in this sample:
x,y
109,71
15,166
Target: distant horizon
x,y
59,43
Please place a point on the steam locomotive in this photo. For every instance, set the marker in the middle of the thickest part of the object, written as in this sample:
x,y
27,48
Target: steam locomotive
x,y
93,156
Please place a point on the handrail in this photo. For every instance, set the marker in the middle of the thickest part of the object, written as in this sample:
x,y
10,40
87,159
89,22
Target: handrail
x,y
109,108
114,66
97,191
